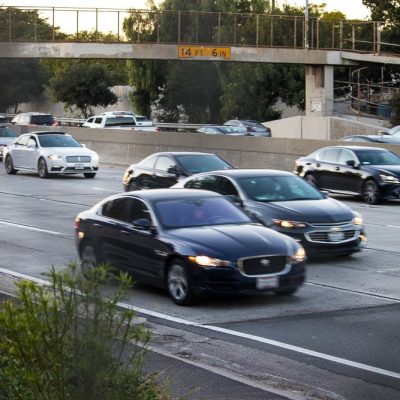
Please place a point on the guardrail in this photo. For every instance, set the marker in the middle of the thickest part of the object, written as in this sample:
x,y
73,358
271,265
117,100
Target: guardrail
x,y
192,27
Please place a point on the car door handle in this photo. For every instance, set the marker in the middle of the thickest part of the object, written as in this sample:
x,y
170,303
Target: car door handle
x,y
98,226
125,232
337,168
318,164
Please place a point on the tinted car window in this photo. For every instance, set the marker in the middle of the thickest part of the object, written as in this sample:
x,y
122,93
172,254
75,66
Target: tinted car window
x,y
203,182
5,132
329,155
226,187
345,156
42,119
377,157
118,121
175,214
278,188
57,141
126,209
165,163
202,163
3,119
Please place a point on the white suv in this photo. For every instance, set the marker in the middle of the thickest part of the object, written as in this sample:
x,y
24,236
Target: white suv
x,y
49,153
120,121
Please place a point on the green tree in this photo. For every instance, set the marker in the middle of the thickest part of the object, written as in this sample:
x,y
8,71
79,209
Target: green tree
x,y
83,86
69,340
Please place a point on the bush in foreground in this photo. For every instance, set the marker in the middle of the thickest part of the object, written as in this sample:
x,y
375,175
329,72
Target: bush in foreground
x,y
68,340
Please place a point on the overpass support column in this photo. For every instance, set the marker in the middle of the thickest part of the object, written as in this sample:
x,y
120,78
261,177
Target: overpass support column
x,y
319,90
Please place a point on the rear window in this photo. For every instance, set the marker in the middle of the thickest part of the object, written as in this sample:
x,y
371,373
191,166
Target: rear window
x,y
118,121
42,120
140,118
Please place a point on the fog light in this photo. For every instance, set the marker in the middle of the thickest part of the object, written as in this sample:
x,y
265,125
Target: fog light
x,y
363,239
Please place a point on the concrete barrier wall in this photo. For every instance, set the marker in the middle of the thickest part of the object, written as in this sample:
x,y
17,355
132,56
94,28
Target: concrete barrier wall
x,y
120,147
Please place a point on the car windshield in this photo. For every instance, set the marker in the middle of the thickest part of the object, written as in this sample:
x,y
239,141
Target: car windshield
x,y
42,119
255,125
377,157
5,132
185,213
140,118
57,141
229,129
119,121
278,188
195,163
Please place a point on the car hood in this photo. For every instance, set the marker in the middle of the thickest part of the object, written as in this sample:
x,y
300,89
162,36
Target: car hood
x,y
68,151
6,140
234,241
311,211
385,169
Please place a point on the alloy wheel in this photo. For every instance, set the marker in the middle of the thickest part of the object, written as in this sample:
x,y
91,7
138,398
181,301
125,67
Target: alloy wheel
x,y
372,193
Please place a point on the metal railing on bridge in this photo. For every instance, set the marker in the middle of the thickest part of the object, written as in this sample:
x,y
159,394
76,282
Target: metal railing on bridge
x,y
43,24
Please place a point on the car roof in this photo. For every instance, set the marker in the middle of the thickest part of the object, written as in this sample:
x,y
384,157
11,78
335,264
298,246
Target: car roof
x,y
45,133
352,148
167,194
247,173
181,153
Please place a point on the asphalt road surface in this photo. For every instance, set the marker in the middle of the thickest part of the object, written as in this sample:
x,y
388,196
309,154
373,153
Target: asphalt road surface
x,y
337,338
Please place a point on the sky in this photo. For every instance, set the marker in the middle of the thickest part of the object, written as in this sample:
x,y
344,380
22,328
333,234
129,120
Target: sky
x,y
352,8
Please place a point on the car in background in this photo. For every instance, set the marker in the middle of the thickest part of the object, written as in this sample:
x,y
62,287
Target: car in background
x,y
164,169
223,130
363,138
120,121
7,135
286,203
252,127
118,113
370,172
34,118
3,119
193,243
50,153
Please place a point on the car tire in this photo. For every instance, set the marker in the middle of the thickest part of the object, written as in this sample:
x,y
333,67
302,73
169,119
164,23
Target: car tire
x,y
178,284
371,192
310,178
89,175
286,292
132,186
9,166
42,169
88,259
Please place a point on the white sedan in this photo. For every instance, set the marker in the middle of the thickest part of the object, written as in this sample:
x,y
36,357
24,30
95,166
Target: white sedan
x,y
49,153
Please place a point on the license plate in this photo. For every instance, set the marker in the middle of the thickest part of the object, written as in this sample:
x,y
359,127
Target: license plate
x,y
336,236
269,282
79,166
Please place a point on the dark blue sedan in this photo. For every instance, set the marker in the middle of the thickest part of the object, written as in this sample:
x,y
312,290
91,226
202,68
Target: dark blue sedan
x,y
194,243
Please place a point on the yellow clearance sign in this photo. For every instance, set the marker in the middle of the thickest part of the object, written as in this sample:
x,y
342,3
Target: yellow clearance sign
x,y
206,52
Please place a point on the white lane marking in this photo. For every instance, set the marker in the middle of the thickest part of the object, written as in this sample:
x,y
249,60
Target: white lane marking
x,y
106,190
271,342
31,228
286,346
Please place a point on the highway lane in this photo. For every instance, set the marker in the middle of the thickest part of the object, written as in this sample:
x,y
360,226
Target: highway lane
x,y
349,298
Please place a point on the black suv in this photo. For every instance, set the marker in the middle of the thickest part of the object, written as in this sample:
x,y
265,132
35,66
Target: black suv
x,y
33,118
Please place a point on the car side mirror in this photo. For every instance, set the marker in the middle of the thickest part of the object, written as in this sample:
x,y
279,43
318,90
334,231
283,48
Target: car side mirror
x,y
144,224
175,171
235,199
382,132
83,145
352,163
31,146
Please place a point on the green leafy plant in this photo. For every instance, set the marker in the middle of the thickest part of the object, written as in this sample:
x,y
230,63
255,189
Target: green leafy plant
x,y
68,340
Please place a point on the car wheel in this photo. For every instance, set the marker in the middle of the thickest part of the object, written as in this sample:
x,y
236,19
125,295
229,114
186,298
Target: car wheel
x,y
310,178
178,284
9,165
88,259
89,175
132,186
42,169
371,192
286,292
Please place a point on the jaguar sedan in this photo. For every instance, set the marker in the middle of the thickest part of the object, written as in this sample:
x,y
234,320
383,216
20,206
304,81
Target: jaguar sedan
x,y
370,172
192,242
48,153
288,204
164,169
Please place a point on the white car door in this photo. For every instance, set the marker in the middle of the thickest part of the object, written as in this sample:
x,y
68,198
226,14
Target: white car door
x,y
17,150
31,154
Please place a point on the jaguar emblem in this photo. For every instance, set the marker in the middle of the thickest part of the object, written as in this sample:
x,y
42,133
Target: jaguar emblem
x,y
264,262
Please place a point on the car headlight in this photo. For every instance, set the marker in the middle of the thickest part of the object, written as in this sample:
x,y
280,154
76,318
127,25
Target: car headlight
x,y
299,255
54,157
288,224
206,261
358,220
389,178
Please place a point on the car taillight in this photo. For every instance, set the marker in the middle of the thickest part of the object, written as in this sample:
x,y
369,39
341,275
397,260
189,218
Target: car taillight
x,y
158,130
77,223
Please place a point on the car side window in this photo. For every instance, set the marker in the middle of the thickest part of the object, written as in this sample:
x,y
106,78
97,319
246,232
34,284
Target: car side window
x,y
148,162
22,141
98,120
345,155
165,163
204,182
32,142
90,120
329,155
126,209
226,187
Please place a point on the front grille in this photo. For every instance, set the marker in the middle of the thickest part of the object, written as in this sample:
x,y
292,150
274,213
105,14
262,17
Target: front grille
x,y
77,171
263,265
327,237
78,159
